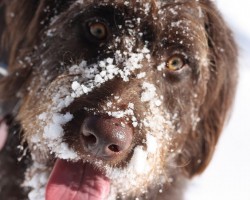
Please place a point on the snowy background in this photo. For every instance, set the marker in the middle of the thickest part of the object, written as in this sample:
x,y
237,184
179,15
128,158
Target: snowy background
x,y
228,175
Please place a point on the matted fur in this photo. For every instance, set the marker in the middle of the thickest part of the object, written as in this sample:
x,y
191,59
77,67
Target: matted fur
x,y
45,42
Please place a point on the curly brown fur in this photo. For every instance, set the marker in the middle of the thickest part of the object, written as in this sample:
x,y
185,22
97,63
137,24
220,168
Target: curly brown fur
x,y
49,49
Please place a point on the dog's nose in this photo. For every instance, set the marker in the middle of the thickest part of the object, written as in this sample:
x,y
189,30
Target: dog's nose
x,y
106,137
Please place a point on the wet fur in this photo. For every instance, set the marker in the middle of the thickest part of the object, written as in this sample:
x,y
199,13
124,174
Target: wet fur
x,y
22,44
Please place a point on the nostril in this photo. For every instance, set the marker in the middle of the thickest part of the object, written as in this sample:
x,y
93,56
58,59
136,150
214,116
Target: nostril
x,y
114,148
89,138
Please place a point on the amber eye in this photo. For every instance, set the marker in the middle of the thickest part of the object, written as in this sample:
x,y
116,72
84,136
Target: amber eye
x,y
98,30
175,63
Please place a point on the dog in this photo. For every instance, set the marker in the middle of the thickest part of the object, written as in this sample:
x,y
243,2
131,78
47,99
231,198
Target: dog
x,y
111,99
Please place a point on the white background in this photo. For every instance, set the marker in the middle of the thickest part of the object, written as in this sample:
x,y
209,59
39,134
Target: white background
x,y
228,175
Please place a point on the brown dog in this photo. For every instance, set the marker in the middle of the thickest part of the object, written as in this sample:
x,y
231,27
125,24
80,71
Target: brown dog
x,y
111,99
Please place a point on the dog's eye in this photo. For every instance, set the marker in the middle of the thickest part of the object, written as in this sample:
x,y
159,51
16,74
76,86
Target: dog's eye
x,y
175,63
98,30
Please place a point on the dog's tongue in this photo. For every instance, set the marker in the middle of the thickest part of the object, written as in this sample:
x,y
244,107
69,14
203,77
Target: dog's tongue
x,y
76,181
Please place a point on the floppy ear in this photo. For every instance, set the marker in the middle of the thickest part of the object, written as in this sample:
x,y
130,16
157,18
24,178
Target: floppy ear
x,y
18,36
200,144
11,91
10,97
25,29
19,32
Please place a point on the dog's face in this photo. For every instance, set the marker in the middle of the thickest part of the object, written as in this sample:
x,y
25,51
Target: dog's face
x,y
129,93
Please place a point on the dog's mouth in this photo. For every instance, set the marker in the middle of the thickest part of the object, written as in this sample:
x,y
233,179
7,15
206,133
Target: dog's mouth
x,y
77,180
83,179
88,166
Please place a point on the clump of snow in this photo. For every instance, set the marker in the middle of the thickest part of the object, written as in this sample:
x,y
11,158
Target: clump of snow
x,y
141,75
105,70
149,92
53,135
50,32
54,130
138,162
36,179
151,143
173,11
161,67
75,86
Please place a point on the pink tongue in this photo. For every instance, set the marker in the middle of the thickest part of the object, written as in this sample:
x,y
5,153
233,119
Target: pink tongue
x,y
76,181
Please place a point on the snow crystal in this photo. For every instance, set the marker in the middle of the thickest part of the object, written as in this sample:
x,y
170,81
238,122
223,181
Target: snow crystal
x,y
151,143
131,106
62,119
158,102
54,130
36,178
50,32
117,114
42,116
35,139
149,92
139,161
36,181
176,24
53,134
141,75
147,8
75,86
173,11
122,113
65,152
99,79
161,67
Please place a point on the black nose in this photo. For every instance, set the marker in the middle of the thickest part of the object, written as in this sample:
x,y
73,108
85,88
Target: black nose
x,y
106,137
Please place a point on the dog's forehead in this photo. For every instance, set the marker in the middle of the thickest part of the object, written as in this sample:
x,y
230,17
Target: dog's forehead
x,y
154,8
162,13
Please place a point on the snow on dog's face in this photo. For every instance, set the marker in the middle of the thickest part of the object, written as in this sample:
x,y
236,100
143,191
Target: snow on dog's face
x,y
115,90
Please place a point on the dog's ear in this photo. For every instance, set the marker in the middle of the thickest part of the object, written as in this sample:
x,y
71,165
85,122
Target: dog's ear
x,y
25,23
10,97
14,21
2,27
11,87
201,142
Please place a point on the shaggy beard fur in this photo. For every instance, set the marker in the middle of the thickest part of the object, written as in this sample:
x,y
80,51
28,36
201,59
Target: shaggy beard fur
x,y
59,75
